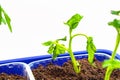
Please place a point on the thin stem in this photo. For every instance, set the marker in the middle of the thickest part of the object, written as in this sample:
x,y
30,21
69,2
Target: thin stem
x,y
80,35
109,69
116,46
70,39
108,73
75,66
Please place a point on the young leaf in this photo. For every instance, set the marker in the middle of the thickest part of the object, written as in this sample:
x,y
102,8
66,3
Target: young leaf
x,y
114,64
51,49
0,15
91,49
3,20
115,23
115,12
48,43
8,20
74,21
63,39
55,48
58,50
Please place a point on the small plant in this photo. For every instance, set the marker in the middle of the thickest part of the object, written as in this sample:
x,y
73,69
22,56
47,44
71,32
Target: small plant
x,y
113,63
4,18
56,48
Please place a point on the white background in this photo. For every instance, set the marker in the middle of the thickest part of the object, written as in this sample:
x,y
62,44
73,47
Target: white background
x,y
36,21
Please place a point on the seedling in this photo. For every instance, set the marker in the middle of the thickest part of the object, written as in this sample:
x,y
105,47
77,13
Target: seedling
x,y
113,63
4,18
56,48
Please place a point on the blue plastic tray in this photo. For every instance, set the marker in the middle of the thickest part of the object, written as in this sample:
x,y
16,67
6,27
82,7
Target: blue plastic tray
x,y
34,58
35,61
100,55
17,68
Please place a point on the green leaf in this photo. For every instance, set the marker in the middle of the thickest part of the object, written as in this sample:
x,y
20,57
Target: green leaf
x,y
0,15
115,23
3,20
58,50
8,21
51,49
55,48
61,49
48,43
55,52
114,64
63,39
91,49
74,21
7,18
115,12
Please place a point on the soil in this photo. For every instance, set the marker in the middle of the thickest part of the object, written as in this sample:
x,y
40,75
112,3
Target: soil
x,y
66,72
4,76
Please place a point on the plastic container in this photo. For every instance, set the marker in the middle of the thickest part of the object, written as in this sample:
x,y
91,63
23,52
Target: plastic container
x,y
18,68
41,57
101,54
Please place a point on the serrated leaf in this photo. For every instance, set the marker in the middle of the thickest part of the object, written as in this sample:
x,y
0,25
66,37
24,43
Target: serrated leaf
x,y
74,21
48,43
91,50
115,12
114,64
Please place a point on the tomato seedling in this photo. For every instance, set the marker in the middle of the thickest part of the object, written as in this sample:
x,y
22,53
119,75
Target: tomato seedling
x,y
113,63
56,48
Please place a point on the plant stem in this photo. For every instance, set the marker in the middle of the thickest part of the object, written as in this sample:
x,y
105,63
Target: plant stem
x,y
80,35
116,46
109,69
108,73
75,66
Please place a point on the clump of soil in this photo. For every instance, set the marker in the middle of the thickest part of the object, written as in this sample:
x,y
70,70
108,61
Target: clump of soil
x,y
4,76
66,72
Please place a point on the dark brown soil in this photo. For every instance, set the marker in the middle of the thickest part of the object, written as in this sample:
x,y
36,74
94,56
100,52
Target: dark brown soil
x,y
66,72
4,76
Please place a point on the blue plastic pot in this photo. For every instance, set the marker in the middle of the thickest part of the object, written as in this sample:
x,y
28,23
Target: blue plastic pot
x,y
101,54
17,68
41,57
23,69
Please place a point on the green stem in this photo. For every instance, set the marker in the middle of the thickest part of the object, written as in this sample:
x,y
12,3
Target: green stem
x,y
75,65
80,35
116,46
108,73
109,69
